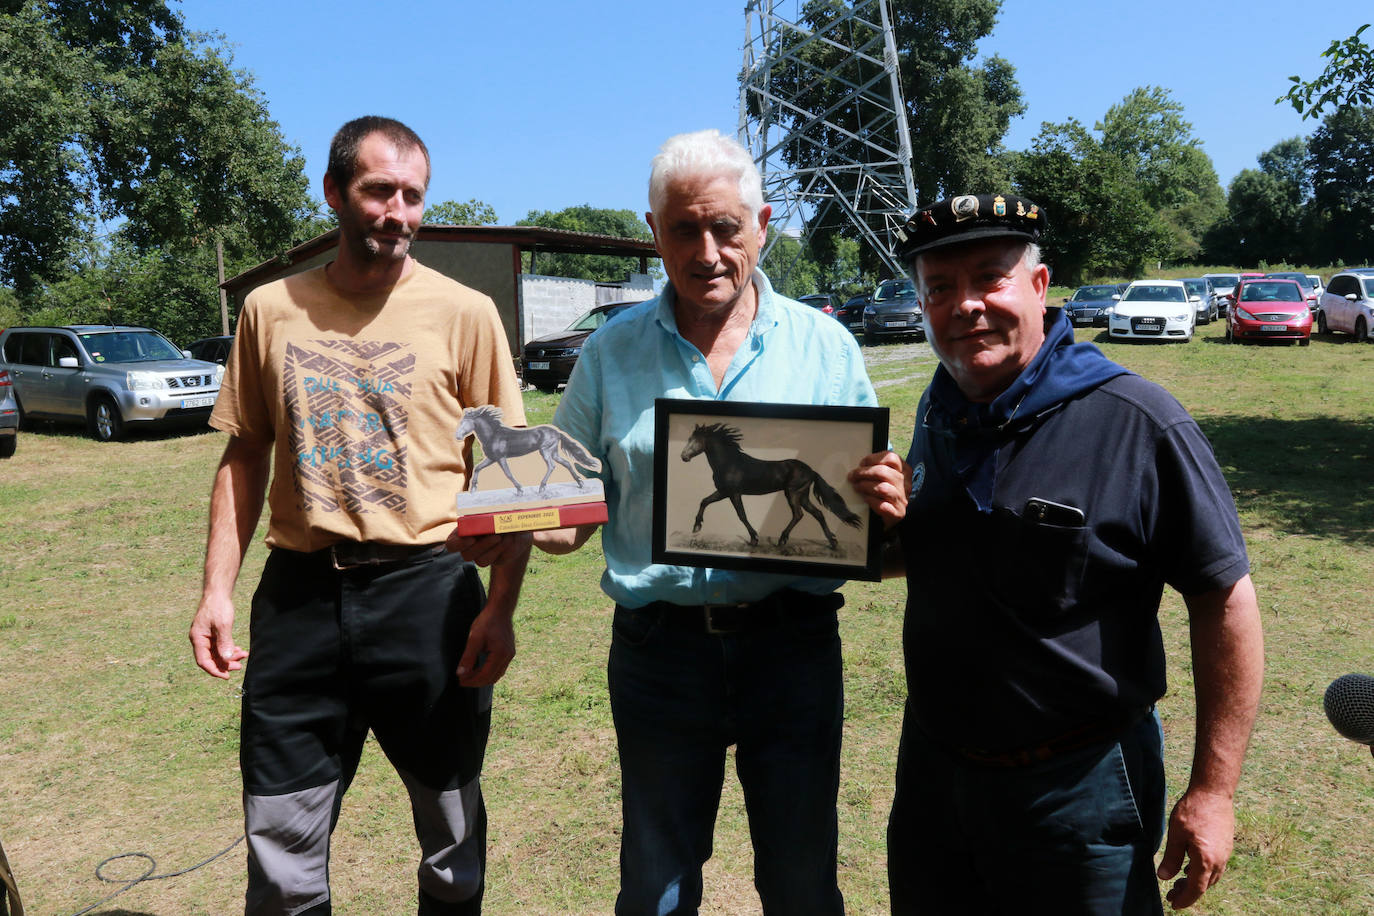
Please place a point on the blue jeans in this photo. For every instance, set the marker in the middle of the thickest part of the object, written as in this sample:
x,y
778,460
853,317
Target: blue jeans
x,y
1076,834
680,697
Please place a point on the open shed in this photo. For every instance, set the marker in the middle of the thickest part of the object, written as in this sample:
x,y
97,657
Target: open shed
x,y
487,258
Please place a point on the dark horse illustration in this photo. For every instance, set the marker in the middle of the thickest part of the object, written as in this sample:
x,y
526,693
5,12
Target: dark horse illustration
x,y
500,442
736,474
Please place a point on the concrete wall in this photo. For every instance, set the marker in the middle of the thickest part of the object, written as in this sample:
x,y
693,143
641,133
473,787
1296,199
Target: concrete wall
x,y
550,304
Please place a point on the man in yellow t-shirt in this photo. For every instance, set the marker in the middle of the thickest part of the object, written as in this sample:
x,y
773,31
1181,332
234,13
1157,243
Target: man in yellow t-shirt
x,y
354,376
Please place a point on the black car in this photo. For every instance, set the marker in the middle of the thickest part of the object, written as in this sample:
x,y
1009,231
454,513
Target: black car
x,y
1088,304
893,311
851,313
548,360
212,349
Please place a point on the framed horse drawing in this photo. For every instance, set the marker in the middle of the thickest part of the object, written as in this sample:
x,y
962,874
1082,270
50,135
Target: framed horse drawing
x,y
764,487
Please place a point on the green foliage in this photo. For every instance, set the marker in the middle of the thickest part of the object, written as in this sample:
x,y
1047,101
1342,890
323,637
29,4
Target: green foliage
x,y
1347,80
596,220
1342,164
1099,220
113,114
1148,133
472,212
797,269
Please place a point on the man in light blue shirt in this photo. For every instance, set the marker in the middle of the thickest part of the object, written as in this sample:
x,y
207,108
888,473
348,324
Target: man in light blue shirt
x,y
704,658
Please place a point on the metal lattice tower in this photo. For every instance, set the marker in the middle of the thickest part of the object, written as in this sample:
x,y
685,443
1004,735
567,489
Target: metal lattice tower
x,y
847,157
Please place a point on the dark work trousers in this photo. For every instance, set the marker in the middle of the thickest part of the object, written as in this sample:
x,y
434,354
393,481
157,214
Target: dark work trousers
x,y
334,654
1074,835
680,697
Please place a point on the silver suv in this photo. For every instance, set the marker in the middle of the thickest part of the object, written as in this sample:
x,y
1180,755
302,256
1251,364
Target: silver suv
x,y
1348,303
110,377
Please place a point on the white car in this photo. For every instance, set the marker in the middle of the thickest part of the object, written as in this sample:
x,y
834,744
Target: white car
x,y
1153,310
1348,304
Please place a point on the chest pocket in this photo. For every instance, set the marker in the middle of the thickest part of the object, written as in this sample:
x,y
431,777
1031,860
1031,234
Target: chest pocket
x,y
1037,568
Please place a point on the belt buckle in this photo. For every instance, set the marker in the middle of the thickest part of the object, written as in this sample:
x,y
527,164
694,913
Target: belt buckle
x,y
707,610
356,560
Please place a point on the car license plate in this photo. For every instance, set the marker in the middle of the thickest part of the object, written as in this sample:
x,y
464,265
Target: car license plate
x,y
538,365
894,324
197,402
1274,327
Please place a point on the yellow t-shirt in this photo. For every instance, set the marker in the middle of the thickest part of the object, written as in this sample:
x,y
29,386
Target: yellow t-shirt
x,y
362,397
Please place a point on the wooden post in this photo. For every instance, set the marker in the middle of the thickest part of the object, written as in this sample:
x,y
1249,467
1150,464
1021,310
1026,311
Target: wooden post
x,y
223,296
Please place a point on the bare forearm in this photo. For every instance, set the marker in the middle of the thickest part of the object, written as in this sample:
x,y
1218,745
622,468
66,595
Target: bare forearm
x,y
563,540
235,507
1228,671
507,575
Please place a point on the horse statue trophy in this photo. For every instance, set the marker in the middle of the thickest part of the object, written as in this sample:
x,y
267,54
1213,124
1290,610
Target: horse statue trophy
x,y
560,504
736,474
500,443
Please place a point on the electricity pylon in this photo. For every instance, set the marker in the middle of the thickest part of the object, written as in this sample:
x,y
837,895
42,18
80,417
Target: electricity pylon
x,y
821,111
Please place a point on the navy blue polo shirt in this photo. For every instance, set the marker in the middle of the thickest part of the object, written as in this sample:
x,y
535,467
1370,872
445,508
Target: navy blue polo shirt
x,y
1022,625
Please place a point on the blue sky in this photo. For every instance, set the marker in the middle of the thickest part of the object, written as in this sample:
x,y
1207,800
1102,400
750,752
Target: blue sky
x,y
545,104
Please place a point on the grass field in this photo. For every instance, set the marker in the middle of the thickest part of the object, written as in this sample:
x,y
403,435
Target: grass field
x,y
111,741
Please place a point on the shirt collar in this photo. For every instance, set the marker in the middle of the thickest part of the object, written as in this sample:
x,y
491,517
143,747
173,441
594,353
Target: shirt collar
x,y
765,318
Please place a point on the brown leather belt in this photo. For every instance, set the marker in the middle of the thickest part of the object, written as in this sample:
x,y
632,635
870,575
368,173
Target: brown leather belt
x,y
1097,732
353,554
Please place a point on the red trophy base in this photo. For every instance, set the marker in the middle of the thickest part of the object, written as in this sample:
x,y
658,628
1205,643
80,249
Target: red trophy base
x,y
485,523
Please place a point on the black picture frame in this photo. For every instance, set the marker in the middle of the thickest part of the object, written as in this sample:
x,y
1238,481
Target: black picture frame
x,y
827,440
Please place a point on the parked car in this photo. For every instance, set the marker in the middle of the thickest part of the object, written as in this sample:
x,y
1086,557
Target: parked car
x,y
109,376
211,349
821,302
1200,294
1153,310
1317,284
1348,303
9,416
851,312
548,360
1309,289
1088,304
893,311
1223,285
1270,308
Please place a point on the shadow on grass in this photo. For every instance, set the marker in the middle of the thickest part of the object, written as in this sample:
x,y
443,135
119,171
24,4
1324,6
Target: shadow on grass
x,y
1309,475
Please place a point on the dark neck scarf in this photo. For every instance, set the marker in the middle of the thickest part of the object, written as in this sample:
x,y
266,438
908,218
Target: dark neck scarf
x,y
1060,371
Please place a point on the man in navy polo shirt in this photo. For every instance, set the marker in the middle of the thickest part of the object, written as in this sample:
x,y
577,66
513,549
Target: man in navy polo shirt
x,y
1052,494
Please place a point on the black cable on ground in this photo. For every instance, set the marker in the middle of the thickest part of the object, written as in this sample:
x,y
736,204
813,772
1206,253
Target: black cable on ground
x,y
147,875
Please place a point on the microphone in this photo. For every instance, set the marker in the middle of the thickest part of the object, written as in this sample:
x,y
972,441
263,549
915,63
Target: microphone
x,y
1349,704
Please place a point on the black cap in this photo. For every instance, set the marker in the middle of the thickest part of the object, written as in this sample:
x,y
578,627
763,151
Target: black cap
x,y
969,218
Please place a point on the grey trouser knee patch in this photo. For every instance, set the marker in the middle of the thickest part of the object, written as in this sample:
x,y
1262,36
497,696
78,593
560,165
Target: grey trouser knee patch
x,y
452,842
288,850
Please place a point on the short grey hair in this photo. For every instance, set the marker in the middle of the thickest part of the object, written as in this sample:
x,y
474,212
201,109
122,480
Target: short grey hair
x,y
1030,257
705,152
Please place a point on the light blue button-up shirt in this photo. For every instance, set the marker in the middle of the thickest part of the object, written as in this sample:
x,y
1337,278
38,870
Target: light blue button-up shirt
x,y
793,355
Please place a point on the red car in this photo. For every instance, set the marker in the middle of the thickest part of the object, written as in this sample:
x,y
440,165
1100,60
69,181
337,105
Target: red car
x,y
1266,308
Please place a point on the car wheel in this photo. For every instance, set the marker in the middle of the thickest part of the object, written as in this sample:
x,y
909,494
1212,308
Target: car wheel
x,y
7,445
1302,342
546,388
1321,323
1361,329
103,420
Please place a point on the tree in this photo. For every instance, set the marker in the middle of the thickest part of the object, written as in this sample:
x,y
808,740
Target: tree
x,y
473,212
114,114
957,112
1099,222
595,220
1342,162
1148,133
1267,219
1347,80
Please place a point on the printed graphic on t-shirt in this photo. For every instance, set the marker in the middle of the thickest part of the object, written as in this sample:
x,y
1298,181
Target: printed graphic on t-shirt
x,y
347,405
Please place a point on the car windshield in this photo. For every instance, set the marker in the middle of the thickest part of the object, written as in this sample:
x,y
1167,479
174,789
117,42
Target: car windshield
x,y
1260,291
894,289
1151,293
1196,288
1093,293
129,347
1226,280
594,319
